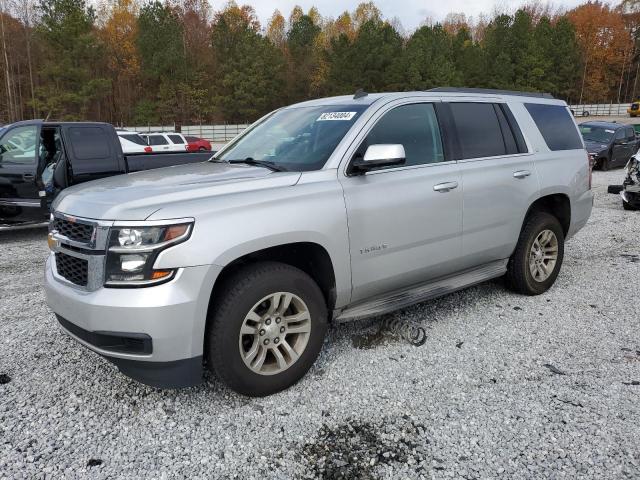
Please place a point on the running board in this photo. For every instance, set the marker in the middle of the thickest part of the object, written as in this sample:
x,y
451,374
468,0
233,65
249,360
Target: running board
x,y
419,293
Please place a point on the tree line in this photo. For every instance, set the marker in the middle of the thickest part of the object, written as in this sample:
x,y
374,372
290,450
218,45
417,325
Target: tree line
x,y
179,61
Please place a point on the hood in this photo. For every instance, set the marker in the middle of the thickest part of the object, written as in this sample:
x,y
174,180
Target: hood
x,y
595,147
136,196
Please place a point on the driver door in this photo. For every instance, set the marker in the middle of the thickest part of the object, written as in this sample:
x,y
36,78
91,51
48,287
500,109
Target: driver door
x,y
404,227
18,173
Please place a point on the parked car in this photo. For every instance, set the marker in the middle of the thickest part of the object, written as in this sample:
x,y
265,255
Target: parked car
x,y
609,144
39,159
629,191
166,142
329,210
132,142
195,144
634,109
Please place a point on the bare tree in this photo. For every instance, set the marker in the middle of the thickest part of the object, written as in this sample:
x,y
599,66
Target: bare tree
x,y
10,102
26,14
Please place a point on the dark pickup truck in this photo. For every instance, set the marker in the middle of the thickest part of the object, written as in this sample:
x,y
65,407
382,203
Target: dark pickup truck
x,y
39,159
609,144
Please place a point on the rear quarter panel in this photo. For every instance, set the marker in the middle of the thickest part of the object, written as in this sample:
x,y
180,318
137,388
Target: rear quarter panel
x,y
565,172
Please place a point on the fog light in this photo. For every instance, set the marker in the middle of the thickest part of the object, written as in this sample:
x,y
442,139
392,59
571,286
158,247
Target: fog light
x,y
132,263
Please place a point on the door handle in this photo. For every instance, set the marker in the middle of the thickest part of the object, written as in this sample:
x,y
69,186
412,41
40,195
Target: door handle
x,y
521,174
28,177
445,187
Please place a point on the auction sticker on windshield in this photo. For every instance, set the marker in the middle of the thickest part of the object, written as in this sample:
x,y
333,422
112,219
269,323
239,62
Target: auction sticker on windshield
x,y
336,116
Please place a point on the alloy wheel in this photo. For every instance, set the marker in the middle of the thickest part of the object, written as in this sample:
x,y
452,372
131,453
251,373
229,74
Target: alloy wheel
x,y
275,333
543,255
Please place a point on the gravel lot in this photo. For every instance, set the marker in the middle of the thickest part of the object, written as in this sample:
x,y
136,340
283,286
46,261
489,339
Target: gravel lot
x,y
505,385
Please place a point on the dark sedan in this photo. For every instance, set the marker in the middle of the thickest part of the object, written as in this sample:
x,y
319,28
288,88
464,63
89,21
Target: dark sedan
x,y
609,144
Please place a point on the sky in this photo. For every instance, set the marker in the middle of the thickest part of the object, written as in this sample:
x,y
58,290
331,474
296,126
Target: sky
x,y
411,13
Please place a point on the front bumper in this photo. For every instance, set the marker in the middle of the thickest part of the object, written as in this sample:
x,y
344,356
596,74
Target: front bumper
x,y
154,335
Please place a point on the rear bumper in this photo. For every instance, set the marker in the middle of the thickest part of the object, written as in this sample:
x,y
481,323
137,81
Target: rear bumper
x,y
154,335
580,212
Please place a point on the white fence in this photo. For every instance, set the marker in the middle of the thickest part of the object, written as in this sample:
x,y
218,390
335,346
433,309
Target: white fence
x,y
213,133
600,109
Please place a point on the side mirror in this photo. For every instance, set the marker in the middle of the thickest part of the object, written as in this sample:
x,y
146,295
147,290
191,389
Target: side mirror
x,y
378,156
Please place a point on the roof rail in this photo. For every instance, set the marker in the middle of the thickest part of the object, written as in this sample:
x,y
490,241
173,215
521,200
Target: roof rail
x,y
490,91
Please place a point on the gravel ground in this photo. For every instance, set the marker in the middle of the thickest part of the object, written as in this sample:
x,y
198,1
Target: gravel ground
x,y
505,385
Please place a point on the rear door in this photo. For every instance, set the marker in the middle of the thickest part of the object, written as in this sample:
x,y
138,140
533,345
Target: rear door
x,y
498,176
178,143
620,147
93,151
159,143
631,145
19,147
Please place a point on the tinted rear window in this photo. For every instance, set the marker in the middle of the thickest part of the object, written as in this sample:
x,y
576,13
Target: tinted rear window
x,y
478,129
91,150
176,138
137,139
157,140
89,143
556,126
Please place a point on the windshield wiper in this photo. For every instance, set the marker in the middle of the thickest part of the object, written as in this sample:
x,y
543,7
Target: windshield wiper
x,y
259,163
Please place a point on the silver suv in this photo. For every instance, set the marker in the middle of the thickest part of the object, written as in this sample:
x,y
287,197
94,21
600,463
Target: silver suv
x,y
332,209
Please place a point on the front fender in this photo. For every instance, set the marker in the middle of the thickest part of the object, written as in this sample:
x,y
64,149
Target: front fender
x,y
230,227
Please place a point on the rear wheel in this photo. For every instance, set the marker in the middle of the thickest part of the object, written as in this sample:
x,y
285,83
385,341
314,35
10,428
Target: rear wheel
x,y
536,261
627,206
202,149
267,328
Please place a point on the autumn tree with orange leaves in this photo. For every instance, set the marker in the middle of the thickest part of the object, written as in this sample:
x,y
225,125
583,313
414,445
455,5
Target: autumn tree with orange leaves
x,y
606,47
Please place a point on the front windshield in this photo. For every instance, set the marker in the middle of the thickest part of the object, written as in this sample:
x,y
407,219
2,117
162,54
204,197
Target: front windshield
x,y
297,139
596,134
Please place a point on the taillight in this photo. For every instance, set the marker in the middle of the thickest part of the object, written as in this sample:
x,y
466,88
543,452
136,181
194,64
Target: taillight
x,y
590,167
148,149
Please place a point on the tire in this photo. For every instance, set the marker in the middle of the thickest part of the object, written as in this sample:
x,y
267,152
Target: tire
x,y
249,292
628,206
519,277
605,165
202,149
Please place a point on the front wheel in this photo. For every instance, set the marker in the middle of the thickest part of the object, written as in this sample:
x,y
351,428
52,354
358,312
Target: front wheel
x,y
536,261
267,327
604,164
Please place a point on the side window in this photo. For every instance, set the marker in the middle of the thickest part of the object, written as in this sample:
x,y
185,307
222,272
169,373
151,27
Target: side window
x,y
18,146
479,131
556,126
137,139
415,127
176,139
91,151
620,134
157,140
631,134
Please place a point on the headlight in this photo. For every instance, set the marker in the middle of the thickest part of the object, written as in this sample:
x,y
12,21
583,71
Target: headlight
x,y
132,251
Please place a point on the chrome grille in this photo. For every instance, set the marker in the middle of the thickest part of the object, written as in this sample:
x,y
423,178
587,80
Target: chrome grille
x,y
75,270
78,232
